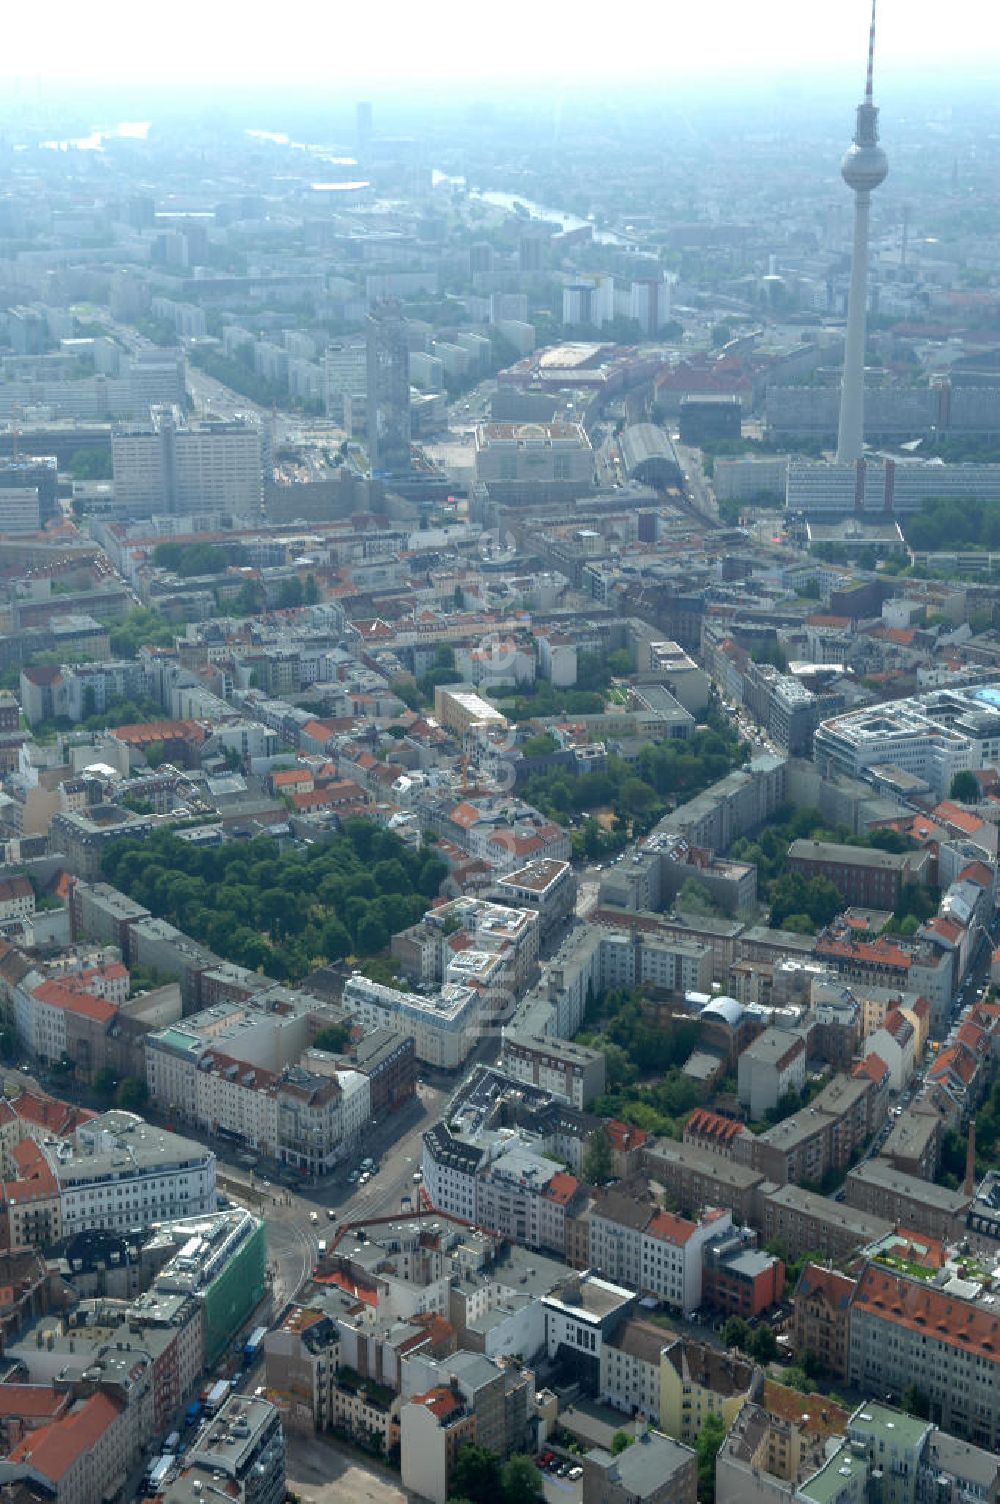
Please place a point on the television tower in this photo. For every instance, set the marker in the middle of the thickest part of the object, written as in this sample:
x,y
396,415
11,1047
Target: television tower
x,y
863,169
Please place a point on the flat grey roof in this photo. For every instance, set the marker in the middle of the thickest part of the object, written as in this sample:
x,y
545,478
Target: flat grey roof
x,y
880,1173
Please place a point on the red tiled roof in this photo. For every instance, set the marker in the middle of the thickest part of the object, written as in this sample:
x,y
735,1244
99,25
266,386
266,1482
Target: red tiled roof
x,y
815,1414
31,1401
946,928
464,815
953,814
622,1136
562,1187
973,1037
365,1294
896,1023
52,1450
836,1288
707,1124
440,1402
872,1066
160,731
291,777
958,1061
879,952
920,1308
60,1118
671,1229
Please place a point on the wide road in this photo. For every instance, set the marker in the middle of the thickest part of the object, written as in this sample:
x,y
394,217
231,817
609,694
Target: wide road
x,y
293,1237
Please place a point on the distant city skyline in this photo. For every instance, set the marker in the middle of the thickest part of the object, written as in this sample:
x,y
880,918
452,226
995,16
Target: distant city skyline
x,y
718,41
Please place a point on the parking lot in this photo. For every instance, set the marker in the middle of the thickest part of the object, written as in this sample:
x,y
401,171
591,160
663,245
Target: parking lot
x,y
320,1473
561,1490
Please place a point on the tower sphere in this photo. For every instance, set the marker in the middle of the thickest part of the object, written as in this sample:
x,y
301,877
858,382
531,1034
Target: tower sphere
x,y
864,167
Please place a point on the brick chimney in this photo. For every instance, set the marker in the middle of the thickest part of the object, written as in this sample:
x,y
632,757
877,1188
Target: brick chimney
x,y
970,1161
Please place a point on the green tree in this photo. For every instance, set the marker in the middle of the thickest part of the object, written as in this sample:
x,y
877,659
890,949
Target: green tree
x,y
964,787
694,898
763,1345
736,1333
619,663
710,1439
520,1480
620,1442
333,1038
104,1083
132,1095
372,934
476,1474
597,1161
915,1402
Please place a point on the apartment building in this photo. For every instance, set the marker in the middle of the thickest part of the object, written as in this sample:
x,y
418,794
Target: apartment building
x,y
695,1177
806,1223
656,1470
80,1458
869,878
121,1172
445,1025
17,899
434,1426
904,1332
656,1252
914,1144
243,1447
822,1137
739,1279
570,1071
459,933
546,887
697,1381
630,1368
821,1319
771,1067
876,1186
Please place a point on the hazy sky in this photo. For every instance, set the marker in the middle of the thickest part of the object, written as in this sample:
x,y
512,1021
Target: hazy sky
x,y
191,41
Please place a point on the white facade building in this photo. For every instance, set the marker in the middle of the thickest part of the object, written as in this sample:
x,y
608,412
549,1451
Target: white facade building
x,y
122,1173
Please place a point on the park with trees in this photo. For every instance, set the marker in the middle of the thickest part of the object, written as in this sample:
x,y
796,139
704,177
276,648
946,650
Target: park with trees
x,y
283,913
805,905
646,1086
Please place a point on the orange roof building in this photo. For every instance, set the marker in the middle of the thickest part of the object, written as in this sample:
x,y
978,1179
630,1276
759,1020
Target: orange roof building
x,y
82,1455
907,1331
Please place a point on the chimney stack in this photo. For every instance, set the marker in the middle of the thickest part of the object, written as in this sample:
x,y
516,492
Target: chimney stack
x,y
970,1161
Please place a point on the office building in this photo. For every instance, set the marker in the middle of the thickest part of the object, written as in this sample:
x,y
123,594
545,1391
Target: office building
x,y
877,489
169,465
239,1453
932,736
388,390
345,377
523,464
38,473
